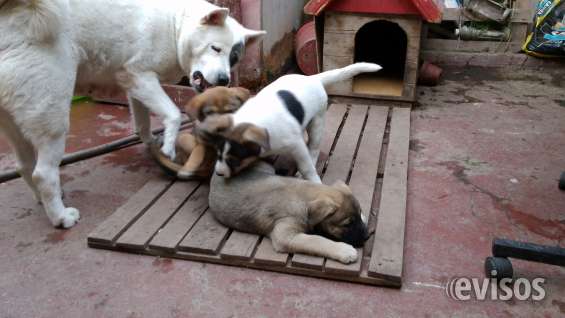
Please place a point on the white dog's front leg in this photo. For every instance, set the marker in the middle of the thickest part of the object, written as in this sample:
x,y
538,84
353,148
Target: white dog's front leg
x,y
148,91
142,120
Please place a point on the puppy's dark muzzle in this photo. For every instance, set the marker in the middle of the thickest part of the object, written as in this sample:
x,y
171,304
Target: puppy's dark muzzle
x,y
356,234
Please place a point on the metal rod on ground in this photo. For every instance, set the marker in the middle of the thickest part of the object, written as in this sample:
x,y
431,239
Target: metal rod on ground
x,y
93,152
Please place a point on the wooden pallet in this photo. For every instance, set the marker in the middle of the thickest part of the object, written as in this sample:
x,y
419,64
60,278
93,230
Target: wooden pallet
x,y
365,145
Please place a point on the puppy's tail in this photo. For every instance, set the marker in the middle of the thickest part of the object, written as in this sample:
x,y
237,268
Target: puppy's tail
x,y
342,74
40,17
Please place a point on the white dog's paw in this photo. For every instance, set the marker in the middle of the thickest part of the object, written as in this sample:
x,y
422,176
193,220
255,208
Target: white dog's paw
x,y
169,151
68,218
346,253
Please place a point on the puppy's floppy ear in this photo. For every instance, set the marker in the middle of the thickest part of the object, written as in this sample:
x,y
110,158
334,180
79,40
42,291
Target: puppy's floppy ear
x,y
216,17
252,36
241,93
340,185
216,124
257,135
320,209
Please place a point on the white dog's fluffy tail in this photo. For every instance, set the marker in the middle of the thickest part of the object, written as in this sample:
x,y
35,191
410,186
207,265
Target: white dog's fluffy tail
x,y
41,18
342,74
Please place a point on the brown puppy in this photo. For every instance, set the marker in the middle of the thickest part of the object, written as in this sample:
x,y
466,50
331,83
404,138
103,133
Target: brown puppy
x,y
287,209
195,158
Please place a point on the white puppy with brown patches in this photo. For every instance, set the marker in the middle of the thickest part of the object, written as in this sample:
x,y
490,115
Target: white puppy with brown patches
x,y
274,122
49,47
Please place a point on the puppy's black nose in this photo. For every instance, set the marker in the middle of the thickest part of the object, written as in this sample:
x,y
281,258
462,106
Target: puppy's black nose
x,y
223,80
219,174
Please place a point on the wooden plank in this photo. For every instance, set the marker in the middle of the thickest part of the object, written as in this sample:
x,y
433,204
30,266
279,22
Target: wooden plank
x,y
471,46
388,248
339,43
239,246
266,254
338,168
342,157
109,230
364,177
334,117
141,232
206,236
307,261
172,233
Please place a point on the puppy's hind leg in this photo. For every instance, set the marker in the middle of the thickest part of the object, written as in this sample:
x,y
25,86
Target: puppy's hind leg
x,y
285,238
304,162
315,134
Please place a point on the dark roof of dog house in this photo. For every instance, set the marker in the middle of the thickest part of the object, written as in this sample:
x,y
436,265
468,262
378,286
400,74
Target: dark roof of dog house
x,y
427,9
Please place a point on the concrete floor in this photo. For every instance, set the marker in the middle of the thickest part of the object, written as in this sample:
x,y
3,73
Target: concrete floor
x,y
487,149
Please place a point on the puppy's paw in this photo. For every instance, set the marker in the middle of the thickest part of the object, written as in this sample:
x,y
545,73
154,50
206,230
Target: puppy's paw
x,y
67,219
346,253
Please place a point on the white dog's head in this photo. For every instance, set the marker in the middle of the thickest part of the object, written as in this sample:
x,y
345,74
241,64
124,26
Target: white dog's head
x,y
211,47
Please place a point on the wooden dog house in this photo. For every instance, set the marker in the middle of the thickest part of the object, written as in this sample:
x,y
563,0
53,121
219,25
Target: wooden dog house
x,y
385,32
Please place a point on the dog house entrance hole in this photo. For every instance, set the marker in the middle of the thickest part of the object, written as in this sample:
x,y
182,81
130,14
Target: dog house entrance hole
x,y
385,43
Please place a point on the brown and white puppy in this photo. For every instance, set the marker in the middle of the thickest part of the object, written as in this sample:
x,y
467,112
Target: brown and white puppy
x,y
274,122
289,210
195,158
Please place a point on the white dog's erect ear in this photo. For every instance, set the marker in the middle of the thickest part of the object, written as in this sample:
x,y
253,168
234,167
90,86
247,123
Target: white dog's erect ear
x,y
252,36
216,17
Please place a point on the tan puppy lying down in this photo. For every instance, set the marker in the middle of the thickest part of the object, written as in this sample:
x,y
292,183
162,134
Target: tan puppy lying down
x,y
288,209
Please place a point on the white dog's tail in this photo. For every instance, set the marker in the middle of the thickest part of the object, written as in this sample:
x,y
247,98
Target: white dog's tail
x,y
42,18
342,74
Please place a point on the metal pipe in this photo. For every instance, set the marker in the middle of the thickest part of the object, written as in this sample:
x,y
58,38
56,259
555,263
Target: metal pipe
x,y
85,154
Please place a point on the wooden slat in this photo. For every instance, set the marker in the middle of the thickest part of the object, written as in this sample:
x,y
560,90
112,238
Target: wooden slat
x,y
334,117
338,168
137,235
388,248
307,261
266,254
206,236
112,227
470,46
172,233
364,175
240,246
342,157
364,178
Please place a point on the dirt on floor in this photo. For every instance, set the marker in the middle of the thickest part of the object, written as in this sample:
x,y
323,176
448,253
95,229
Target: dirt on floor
x,y
487,149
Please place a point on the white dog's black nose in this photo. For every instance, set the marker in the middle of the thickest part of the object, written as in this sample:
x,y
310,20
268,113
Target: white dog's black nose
x,y
223,80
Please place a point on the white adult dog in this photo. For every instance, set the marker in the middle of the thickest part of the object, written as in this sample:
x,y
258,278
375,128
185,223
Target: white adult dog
x,y
49,47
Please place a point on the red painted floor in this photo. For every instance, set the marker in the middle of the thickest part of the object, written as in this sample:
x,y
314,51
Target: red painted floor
x,y
487,149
